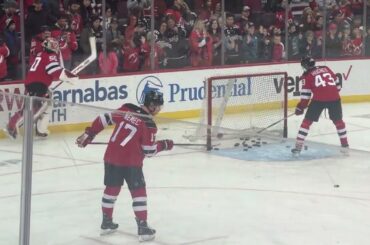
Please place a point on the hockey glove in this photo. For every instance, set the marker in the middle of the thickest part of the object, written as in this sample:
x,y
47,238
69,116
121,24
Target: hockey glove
x,y
165,145
85,138
299,110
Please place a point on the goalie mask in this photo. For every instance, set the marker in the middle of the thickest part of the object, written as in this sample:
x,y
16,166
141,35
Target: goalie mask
x,y
51,45
307,63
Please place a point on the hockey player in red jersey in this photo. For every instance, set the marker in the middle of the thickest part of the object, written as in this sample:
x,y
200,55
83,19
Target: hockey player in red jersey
x,y
321,83
133,138
44,69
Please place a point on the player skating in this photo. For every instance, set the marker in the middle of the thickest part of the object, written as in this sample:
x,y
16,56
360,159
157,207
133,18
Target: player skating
x,y
321,83
132,139
44,69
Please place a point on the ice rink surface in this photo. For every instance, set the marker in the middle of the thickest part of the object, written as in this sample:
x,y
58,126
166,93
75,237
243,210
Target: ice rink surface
x,y
228,196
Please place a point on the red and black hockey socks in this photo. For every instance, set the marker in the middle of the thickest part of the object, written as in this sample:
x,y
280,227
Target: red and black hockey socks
x,y
139,203
108,200
302,133
342,132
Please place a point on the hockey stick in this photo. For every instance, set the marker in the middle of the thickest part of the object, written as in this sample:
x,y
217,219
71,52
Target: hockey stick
x,y
178,144
84,63
273,124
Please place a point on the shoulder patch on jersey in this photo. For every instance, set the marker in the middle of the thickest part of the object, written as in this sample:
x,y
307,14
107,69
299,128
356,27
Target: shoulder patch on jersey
x,y
53,58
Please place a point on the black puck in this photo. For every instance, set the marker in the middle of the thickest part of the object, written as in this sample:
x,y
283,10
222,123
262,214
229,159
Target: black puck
x,y
245,149
236,144
264,142
288,146
305,147
336,186
215,148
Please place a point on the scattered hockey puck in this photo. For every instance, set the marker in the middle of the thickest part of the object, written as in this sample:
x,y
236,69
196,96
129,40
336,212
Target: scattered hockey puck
x,y
247,138
242,138
245,149
245,144
336,186
305,147
215,148
258,145
258,138
220,135
264,142
236,144
253,141
249,146
288,146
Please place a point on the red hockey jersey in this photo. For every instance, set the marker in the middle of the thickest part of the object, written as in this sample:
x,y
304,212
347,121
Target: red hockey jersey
x,y
45,68
320,82
133,137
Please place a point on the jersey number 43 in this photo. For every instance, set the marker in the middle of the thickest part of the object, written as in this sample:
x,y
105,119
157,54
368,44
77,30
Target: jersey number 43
x,y
324,79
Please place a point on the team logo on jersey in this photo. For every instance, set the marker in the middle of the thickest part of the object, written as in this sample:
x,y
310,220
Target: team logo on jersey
x,y
149,83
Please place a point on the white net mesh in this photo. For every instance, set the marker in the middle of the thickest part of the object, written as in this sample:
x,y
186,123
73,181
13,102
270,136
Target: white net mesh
x,y
243,105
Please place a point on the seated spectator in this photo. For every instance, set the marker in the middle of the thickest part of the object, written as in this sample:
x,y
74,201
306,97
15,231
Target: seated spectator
x,y
108,65
137,4
200,45
346,42
206,11
4,53
13,42
86,12
265,45
357,6
232,41
114,33
280,16
215,33
308,20
249,46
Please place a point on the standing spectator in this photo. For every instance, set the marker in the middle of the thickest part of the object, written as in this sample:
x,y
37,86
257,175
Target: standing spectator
x,y
146,51
93,29
280,16
357,41
134,141
206,11
137,4
294,42
232,41
36,42
113,32
244,19
131,54
86,12
250,43
75,16
13,42
131,28
333,42
266,46
277,49
367,42
357,6
66,38
108,65
10,12
215,33
37,17
309,46
346,42
200,46
177,51
4,53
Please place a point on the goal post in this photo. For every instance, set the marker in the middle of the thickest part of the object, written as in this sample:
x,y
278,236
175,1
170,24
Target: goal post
x,y
244,104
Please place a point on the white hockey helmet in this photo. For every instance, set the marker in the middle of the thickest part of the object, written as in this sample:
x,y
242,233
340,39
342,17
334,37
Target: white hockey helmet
x,y
51,44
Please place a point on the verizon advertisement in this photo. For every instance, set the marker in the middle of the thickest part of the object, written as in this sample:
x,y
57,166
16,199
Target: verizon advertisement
x,y
183,91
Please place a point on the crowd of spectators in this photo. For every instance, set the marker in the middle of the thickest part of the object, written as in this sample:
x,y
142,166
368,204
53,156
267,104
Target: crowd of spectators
x,y
188,33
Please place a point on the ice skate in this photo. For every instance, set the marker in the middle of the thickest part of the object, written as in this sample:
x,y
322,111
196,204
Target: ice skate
x,y
12,133
107,226
40,134
344,150
144,232
41,127
296,152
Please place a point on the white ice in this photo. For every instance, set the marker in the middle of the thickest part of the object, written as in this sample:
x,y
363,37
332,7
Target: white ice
x,y
195,197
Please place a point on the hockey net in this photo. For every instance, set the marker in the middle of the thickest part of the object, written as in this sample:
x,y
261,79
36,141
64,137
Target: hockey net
x,y
243,105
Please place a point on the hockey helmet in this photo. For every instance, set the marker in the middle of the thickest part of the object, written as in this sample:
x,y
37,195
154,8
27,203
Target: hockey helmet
x,y
51,44
307,62
153,97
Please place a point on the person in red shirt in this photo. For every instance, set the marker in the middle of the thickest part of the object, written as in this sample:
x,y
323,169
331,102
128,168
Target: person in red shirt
x,y
200,45
44,69
322,84
133,139
67,39
4,53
